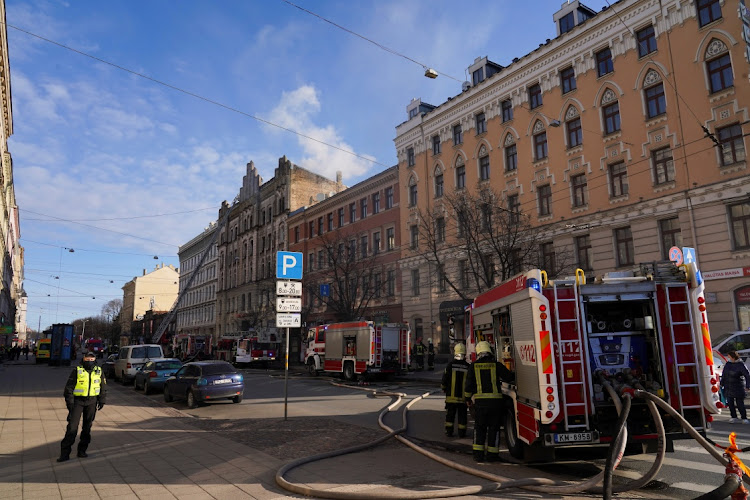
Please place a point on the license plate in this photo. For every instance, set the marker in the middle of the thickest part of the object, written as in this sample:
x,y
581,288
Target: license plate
x,y
573,437
222,381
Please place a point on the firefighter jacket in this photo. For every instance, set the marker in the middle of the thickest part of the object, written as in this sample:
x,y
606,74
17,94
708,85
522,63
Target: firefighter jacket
x,y
87,387
483,381
419,349
453,380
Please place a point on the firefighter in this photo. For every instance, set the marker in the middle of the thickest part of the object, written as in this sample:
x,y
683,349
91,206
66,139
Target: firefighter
x,y
419,350
453,386
430,355
482,390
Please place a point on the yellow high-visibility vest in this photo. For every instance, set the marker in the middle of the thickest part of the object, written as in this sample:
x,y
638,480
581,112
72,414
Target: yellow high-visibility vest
x,y
88,384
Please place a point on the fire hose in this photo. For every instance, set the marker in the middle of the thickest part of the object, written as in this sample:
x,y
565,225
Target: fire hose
x,y
543,485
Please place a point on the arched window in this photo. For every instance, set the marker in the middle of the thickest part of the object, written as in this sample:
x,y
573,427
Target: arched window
x,y
484,163
439,182
610,112
573,130
460,173
511,153
540,141
412,192
718,66
653,94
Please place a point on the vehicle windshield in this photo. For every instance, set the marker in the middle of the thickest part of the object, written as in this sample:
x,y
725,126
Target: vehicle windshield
x,y
168,365
44,347
146,352
218,369
721,338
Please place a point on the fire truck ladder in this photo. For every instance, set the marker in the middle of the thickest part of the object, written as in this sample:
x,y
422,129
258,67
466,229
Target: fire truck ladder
x,y
683,347
403,339
377,345
574,392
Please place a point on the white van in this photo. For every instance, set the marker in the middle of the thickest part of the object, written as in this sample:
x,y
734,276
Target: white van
x,y
133,357
732,341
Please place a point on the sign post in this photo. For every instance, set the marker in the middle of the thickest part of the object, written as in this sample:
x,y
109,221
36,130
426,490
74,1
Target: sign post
x,y
288,302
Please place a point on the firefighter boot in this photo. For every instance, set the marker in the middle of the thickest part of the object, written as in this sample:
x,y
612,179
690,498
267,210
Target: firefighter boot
x,y
449,429
478,455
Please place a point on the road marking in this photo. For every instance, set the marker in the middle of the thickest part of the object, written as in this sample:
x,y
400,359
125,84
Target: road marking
x,y
685,464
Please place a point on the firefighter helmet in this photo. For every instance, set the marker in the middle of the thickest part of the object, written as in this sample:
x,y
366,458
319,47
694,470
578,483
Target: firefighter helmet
x,y
459,351
483,347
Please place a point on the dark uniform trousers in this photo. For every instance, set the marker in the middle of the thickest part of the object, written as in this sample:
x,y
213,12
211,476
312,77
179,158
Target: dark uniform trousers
x,y
451,410
82,407
487,415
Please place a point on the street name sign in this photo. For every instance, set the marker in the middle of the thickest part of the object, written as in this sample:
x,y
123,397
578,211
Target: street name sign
x,y
292,288
288,304
288,320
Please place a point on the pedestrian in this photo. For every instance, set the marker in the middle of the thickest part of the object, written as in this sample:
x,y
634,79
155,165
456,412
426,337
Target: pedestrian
x,y
26,351
430,355
16,352
419,350
452,384
483,391
85,393
734,388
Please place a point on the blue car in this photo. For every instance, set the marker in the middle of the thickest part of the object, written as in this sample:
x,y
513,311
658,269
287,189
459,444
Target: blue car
x,y
151,376
202,381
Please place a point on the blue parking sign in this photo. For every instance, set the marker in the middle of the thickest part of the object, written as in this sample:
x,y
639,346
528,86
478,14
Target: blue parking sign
x,y
289,265
325,290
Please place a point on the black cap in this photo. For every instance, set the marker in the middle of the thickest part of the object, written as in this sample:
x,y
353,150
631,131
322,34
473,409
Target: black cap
x,y
89,354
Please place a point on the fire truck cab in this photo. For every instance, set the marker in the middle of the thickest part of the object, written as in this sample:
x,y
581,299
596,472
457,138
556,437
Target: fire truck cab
x,y
568,341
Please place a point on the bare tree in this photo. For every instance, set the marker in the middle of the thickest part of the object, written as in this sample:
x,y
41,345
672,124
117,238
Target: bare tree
x,y
352,272
473,241
111,310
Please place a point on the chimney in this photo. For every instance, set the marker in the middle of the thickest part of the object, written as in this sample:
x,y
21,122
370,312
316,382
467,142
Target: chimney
x,y
338,177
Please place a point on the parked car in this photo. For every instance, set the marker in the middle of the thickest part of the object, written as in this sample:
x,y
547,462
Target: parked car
x,y
203,381
732,341
108,367
134,356
151,376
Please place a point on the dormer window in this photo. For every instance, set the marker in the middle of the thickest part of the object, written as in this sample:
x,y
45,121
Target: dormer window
x,y
413,112
477,76
567,23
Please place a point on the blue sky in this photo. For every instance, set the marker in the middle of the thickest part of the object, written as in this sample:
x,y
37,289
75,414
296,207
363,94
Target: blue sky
x,y
141,168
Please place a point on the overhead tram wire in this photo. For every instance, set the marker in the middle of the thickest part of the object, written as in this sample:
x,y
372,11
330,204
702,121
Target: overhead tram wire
x,y
378,45
198,96
121,218
86,249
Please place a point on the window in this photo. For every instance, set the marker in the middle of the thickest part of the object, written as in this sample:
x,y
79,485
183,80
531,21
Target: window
x,y
310,263
663,165
363,246
584,252
440,229
341,217
414,234
720,73
670,235
391,283
568,80
413,112
458,135
567,23
514,207
363,208
604,62
580,187
507,107
418,329
477,76
321,260
378,284
310,232
480,123
611,115
352,250
352,212
544,194
540,146
413,193
410,157
511,158
296,234
732,144
436,144
439,185
460,177
488,266
376,243
646,41
656,104
739,216
463,274
415,282
441,281
547,253
708,11
624,244
390,239
575,132
330,221
535,96
484,167
618,180
389,197
486,214
375,202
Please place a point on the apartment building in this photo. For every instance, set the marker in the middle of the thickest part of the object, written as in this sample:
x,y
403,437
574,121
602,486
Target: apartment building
x,y
621,136
351,246
255,230
154,291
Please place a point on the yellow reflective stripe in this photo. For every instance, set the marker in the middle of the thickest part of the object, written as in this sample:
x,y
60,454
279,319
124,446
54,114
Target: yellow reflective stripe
x,y
449,424
488,396
707,344
477,447
493,449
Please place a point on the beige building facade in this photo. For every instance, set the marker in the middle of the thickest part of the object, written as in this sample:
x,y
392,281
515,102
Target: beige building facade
x,y
196,312
622,137
153,291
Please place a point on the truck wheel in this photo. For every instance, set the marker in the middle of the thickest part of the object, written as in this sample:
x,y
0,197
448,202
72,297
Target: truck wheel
x,y
191,402
515,445
311,368
349,371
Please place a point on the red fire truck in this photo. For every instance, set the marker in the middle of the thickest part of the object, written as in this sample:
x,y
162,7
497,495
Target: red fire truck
x,y
567,339
258,346
358,348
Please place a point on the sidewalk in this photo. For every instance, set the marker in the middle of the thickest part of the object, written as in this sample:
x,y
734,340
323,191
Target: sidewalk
x,y
142,449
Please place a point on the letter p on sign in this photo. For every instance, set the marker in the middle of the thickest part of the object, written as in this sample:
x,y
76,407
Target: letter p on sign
x,y
289,265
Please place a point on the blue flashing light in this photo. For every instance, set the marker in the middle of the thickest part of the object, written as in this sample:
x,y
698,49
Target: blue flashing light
x,y
698,277
533,283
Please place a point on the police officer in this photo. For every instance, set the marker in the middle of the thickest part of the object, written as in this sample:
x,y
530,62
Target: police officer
x,y
85,393
419,350
430,355
482,390
453,387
